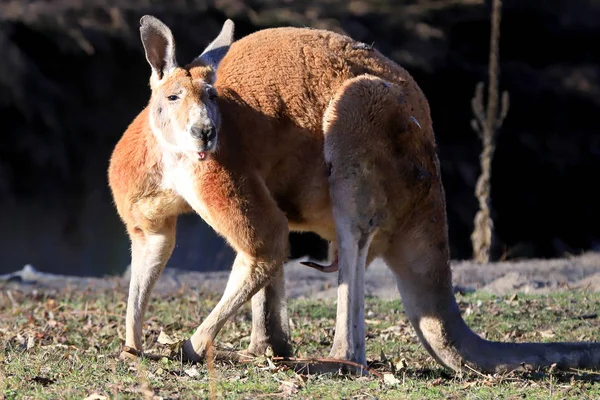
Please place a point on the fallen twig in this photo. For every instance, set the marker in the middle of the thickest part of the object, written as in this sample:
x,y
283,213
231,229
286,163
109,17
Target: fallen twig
x,y
331,361
244,358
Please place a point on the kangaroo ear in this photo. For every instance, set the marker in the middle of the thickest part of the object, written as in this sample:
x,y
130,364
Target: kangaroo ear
x,y
215,51
159,46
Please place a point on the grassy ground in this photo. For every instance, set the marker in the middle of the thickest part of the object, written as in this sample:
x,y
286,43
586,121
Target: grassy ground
x,y
64,345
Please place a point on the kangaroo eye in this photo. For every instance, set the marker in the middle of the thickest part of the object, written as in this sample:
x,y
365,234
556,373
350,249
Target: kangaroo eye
x,y
173,97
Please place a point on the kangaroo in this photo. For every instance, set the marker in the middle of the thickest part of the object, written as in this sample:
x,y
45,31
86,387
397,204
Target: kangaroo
x,y
296,129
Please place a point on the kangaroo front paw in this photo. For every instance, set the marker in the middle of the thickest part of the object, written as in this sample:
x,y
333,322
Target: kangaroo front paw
x,y
191,354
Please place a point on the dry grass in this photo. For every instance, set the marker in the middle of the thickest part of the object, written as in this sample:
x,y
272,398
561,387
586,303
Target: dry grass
x,y
65,345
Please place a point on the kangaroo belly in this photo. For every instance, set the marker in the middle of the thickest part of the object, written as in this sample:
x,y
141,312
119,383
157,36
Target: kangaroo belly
x,y
303,195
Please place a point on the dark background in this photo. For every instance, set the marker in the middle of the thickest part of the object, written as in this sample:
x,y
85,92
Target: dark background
x,y
73,75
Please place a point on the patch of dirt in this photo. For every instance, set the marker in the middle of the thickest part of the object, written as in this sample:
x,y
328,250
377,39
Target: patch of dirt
x,y
529,276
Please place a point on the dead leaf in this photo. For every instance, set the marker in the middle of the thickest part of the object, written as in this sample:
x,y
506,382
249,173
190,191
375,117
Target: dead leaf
x,y
401,365
262,360
174,346
50,304
271,365
302,379
30,342
192,372
96,396
163,338
25,342
390,379
547,334
288,388
269,352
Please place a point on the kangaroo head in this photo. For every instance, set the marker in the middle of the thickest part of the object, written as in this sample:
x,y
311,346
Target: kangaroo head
x,y
183,110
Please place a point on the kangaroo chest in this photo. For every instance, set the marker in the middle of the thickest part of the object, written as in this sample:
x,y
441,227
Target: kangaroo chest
x,y
180,177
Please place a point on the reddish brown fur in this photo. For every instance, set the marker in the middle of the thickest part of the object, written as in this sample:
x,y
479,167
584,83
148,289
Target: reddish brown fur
x,y
314,121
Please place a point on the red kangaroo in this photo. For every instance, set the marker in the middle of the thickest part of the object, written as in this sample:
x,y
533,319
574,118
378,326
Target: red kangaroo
x,y
293,129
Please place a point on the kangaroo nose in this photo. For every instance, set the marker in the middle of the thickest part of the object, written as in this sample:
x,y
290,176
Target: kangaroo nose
x,y
205,133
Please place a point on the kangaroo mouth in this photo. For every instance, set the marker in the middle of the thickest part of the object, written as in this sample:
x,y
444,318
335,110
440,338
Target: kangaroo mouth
x,y
198,156
203,152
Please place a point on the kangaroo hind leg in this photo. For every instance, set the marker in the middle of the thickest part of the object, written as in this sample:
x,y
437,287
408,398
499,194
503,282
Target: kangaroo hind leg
x,y
270,323
358,201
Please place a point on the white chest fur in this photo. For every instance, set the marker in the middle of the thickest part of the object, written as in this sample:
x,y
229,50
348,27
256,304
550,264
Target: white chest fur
x,y
180,176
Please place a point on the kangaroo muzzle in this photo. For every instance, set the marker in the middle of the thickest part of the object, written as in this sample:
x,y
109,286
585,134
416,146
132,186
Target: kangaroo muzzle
x,y
206,134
